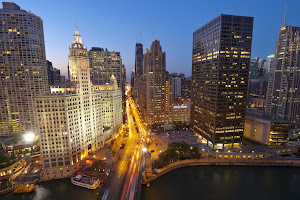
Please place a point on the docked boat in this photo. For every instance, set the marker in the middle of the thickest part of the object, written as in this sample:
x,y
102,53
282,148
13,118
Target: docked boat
x,y
86,181
25,188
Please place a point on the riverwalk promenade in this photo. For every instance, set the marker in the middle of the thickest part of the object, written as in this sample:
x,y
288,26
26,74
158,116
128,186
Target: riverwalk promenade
x,y
220,161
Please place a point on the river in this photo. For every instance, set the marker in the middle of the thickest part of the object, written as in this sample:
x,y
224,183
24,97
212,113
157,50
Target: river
x,y
226,183
192,183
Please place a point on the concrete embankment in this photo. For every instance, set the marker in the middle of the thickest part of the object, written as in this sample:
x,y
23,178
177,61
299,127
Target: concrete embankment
x,y
232,162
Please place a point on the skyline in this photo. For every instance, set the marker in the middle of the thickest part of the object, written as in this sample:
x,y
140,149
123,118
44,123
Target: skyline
x,y
134,19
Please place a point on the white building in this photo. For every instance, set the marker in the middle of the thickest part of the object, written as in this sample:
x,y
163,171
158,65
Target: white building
x,y
23,69
70,118
111,103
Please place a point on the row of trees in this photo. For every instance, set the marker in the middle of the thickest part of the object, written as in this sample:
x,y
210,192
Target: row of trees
x,y
177,151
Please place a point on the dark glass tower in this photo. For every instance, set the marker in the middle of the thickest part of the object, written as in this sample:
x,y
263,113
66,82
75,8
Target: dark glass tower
x,y
220,72
138,68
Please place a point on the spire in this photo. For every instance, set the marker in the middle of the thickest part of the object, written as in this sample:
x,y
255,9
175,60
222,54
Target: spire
x,y
284,16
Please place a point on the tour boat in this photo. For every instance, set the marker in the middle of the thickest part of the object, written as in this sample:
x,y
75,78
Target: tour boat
x,y
25,188
86,181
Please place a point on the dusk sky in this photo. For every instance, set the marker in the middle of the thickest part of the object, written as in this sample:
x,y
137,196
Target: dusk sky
x,y
115,25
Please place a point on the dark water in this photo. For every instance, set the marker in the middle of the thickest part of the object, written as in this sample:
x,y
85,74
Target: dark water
x,y
199,183
226,183
55,190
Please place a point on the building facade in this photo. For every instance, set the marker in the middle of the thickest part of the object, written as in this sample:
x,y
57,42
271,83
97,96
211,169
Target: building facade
x,y
283,96
265,128
220,72
176,87
104,64
70,119
154,66
138,71
186,88
23,69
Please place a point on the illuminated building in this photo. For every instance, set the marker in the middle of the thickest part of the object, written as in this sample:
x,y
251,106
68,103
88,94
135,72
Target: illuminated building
x,y
186,88
169,96
220,72
176,87
265,128
70,118
283,96
111,103
181,112
270,64
257,92
154,64
104,64
23,69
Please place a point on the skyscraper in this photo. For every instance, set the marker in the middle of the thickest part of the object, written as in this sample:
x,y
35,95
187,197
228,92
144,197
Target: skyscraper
x,y
138,69
154,64
23,69
253,71
176,86
270,64
104,64
220,72
283,96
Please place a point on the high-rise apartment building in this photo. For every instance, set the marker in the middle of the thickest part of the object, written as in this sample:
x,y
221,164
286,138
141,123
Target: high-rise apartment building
x,y
23,69
283,96
154,64
104,64
220,72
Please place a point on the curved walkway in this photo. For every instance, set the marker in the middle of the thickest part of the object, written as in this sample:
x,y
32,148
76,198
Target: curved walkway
x,y
237,162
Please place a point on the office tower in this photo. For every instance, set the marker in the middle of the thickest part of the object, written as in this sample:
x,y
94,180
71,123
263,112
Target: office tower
x,y
257,92
176,86
169,96
23,69
53,74
138,69
132,81
154,64
70,119
220,72
262,64
186,87
253,72
270,64
283,96
104,64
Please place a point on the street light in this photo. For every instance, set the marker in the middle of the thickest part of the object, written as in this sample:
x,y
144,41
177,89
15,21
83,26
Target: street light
x,y
144,149
29,137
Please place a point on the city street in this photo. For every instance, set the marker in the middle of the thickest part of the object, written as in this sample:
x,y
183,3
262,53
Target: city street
x,y
123,179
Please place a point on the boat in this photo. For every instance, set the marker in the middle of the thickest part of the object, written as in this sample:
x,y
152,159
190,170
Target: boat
x,y
86,181
25,188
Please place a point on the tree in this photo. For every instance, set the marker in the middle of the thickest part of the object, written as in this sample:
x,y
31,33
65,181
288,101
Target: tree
x,y
98,165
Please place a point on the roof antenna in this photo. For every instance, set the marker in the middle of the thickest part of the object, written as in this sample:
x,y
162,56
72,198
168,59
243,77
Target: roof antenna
x,y
136,37
284,16
153,35
141,37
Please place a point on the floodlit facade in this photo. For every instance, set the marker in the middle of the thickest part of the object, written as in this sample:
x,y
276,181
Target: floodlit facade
x,y
23,69
220,72
283,96
154,64
111,104
181,112
70,118
265,128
